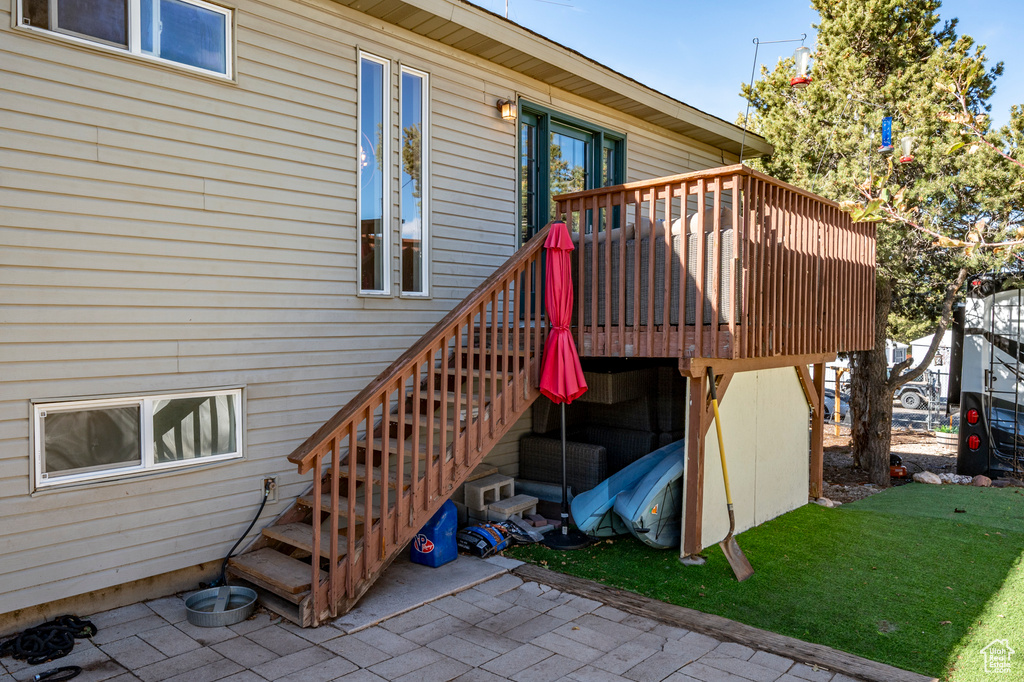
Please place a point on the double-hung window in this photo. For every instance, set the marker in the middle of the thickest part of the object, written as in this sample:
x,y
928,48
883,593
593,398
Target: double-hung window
x,y
380,177
191,33
86,440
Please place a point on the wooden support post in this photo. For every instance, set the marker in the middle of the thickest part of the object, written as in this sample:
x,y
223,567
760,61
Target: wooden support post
x,y
814,391
694,493
818,433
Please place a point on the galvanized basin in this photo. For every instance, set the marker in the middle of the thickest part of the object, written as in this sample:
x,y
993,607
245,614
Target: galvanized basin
x,y
219,606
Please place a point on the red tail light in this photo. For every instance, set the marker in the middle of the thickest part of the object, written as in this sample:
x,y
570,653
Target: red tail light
x,y
974,442
972,416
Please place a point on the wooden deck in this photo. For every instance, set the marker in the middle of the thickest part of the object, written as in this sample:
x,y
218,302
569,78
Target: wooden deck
x,y
782,273
763,275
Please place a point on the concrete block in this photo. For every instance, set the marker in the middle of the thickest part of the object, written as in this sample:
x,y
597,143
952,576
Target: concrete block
x,y
503,509
484,491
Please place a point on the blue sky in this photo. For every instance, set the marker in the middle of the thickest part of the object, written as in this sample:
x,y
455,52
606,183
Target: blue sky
x,y
700,52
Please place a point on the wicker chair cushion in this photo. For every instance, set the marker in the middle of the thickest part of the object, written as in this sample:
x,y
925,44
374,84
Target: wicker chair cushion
x,y
540,459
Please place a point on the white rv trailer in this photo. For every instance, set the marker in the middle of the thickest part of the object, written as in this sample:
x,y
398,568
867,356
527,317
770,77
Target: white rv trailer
x,y
991,392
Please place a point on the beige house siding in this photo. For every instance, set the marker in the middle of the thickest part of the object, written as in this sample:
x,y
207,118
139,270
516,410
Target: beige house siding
x,y
765,422
163,231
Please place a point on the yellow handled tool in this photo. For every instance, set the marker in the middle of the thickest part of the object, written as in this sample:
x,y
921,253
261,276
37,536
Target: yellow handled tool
x,y
737,559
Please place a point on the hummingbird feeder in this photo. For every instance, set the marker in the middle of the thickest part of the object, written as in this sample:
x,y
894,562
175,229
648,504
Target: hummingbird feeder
x,y
907,146
886,147
802,57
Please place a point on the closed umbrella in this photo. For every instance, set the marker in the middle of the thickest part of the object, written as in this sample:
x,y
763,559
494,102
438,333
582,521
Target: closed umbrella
x,y
561,377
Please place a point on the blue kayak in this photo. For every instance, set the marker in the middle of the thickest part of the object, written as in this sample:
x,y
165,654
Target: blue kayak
x,y
593,510
652,510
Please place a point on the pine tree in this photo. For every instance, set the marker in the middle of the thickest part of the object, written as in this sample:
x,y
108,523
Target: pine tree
x,y
878,58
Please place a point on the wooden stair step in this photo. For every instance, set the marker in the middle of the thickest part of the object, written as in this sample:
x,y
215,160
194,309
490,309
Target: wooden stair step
x,y
325,505
274,571
300,535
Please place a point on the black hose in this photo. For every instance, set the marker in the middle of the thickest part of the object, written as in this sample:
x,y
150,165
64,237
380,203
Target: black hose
x,y
224,566
46,642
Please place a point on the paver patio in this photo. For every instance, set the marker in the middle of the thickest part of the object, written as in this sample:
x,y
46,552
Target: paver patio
x,y
502,629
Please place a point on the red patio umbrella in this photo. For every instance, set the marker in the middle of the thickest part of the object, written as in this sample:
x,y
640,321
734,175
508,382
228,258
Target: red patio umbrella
x,y
561,377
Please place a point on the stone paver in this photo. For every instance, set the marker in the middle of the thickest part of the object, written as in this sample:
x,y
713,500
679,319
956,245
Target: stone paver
x,y
502,630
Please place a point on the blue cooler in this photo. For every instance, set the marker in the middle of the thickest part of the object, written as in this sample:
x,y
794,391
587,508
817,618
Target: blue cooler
x,y
435,544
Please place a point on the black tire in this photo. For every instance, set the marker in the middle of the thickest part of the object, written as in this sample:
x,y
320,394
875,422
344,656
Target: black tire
x,y
911,400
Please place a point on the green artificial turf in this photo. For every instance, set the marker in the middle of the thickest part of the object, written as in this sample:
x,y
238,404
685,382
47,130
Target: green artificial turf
x,y
899,578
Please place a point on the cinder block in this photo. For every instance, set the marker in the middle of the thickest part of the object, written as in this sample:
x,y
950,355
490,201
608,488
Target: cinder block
x,y
482,492
503,509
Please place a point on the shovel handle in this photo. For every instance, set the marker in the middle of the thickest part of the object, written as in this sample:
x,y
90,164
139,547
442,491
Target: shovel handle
x,y
718,429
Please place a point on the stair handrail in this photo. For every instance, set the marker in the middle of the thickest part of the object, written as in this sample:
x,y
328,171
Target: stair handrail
x,y
305,454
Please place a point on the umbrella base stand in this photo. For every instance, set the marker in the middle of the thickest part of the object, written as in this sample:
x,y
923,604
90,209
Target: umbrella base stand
x,y
573,539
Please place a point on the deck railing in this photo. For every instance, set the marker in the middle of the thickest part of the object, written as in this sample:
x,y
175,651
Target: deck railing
x,y
409,438
779,270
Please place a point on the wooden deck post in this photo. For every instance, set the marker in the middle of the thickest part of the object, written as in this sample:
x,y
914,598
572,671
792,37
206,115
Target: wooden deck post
x,y
818,433
693,504
814,391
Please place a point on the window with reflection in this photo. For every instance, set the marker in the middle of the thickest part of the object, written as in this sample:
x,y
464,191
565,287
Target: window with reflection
x,y
414,173
373,181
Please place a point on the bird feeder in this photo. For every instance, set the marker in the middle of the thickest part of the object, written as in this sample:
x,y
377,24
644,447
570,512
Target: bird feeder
x,y
886,147
907,146
802,57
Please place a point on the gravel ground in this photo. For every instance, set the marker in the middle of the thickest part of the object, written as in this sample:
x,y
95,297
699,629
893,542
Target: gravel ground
x,y
918,449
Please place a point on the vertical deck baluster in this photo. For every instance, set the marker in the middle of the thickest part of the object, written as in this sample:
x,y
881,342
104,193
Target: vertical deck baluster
x,y
537,315
581,273
736,275
318,473
604,222
334,580
460,438
652,263
684,269
788,273
492,371
763,252
380,533
699,276
479,375
518,278
367,463
350,515
637,245
436,386
419,403
506,354
802,302
716,264
666,304
620,286
393,511
590,287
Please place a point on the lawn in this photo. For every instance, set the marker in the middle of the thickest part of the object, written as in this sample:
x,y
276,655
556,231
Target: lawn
x,y
900,578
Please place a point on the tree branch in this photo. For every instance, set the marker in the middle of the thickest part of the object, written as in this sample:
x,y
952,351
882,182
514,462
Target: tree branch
x,y
897,378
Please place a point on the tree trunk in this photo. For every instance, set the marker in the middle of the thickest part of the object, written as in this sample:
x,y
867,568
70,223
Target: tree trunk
x,y
871,396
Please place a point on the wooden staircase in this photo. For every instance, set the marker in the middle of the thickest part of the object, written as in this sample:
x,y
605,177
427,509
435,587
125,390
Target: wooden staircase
x,y
387,460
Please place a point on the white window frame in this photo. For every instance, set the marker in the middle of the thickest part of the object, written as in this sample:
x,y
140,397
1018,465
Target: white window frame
x,y
148,463
386,172
134,20
424,179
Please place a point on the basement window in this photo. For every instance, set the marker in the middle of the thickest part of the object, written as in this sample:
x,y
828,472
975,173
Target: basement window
x,y
190,33
88,440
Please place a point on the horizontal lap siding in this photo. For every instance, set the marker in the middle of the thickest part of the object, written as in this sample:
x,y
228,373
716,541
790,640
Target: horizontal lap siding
x,y
164,232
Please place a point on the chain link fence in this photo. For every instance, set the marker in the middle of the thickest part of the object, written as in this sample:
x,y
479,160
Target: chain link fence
x,y
920,405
